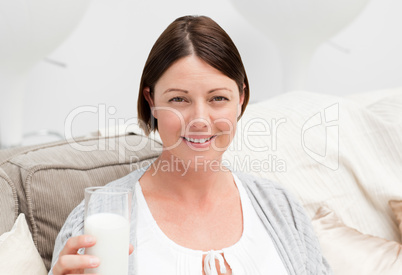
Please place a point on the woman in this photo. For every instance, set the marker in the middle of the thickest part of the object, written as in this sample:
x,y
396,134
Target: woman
x,y
193,214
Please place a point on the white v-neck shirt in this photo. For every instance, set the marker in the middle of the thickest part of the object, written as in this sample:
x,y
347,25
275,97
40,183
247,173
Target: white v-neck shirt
x,y
253,254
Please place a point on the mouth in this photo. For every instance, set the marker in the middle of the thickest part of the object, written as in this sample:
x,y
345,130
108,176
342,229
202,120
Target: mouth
x,y
198,140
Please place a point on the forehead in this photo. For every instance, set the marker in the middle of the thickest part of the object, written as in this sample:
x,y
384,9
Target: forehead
x,y
192,70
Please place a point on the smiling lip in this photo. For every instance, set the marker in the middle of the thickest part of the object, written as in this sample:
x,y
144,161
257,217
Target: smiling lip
x,y
199,141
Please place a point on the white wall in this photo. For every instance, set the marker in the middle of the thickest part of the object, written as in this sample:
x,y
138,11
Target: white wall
x,y
105,55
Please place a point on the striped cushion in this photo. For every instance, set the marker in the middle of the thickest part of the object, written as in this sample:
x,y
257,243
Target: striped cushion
x,y
8,203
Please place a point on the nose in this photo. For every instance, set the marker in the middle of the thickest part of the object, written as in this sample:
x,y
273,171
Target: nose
x,y
198,123
199,118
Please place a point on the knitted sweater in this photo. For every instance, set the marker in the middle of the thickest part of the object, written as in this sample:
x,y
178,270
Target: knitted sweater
x,y
284,219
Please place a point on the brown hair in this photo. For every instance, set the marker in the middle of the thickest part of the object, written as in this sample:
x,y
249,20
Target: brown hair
x,y
190,35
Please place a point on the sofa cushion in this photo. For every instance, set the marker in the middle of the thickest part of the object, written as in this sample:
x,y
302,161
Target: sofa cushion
x,y
50,181
341,152
18,254
8,202
350,252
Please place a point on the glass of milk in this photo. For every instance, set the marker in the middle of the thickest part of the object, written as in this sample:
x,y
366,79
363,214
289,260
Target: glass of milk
x,y
107,218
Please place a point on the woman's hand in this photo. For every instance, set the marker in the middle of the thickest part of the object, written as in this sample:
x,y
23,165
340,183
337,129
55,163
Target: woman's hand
x,y
70,262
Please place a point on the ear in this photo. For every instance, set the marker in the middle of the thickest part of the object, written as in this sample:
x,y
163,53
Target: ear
x,y
241,100
148,97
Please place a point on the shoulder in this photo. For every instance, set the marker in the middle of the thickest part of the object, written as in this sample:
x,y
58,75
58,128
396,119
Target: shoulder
x,y
274,202
76,216
263,188
129,180
277,204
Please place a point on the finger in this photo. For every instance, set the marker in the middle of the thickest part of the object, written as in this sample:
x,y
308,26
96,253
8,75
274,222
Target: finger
x,y
69,263
131,249
75,243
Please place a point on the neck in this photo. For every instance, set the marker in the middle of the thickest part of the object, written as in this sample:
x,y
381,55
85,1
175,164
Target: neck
x,y
193,181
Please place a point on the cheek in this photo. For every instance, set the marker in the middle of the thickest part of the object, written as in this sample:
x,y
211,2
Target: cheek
x,y
169,121
226,121
226,127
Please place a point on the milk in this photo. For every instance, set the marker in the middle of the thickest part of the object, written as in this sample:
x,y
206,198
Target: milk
x,y
112,243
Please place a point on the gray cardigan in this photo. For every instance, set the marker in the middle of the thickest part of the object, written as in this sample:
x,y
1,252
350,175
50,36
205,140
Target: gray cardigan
x,y
284,219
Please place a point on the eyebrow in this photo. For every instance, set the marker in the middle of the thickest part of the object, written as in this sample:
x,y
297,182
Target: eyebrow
x,y
186,92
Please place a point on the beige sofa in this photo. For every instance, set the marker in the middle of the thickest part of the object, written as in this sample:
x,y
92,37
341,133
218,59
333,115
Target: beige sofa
x,y
341,157
46,182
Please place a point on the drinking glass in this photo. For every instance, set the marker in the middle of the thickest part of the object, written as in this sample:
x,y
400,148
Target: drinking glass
x,y
107,218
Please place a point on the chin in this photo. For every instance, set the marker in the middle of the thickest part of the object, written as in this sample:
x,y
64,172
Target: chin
x,y
193,159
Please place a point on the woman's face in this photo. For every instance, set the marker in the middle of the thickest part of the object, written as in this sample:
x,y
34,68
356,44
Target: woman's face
x,y
197,108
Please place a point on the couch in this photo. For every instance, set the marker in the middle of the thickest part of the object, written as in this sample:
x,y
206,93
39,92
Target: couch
x,y
341,157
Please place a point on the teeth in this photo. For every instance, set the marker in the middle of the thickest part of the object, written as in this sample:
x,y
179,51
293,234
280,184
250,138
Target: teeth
x,y
195,140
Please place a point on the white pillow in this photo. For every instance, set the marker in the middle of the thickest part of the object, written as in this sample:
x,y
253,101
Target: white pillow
x,y
18,254
350,252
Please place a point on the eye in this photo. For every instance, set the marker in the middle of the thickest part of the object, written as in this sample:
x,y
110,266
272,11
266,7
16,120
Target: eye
x,y
176,99
220,98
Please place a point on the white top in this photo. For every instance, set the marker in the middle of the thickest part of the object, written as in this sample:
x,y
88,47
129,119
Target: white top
x,y
253,254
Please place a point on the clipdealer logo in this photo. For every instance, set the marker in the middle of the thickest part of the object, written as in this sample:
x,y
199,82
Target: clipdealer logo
x,y
329,120
256,135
